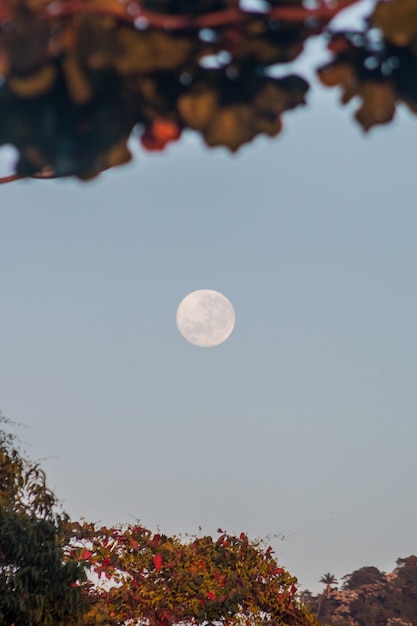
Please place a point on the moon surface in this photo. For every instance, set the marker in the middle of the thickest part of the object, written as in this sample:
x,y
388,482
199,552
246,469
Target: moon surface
x,y
205,318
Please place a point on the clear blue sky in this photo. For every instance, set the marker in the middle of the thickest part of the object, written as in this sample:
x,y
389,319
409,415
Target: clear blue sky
x,y
304,421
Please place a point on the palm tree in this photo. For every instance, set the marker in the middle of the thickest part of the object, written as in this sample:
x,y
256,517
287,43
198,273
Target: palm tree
x,y
328,580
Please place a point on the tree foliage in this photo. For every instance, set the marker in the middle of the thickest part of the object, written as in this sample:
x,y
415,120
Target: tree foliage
x,y
36,581
368,575
81,75
329,580
159,580
54,572
371,598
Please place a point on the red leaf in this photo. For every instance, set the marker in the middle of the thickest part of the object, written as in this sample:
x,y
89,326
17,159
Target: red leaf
x,y
210,595
159,134
157,561
293,589
338,45
86,555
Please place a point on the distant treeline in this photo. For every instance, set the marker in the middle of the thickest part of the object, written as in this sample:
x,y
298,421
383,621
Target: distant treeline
x,y
368,597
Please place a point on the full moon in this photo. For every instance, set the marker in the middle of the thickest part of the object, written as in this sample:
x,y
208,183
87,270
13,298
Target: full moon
x,y
205,318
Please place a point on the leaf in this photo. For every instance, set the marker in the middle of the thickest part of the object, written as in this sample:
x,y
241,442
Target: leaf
x,y
198,107
231,127
378,104
378,98
159,134
397,19
134,544
150,51
342,74
34,85
78,85
157,561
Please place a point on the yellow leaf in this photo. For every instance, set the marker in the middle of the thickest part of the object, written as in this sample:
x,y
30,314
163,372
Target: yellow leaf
x,y
78,85
119,154
35,84
398,21
378,104
334,74
150,51
231,127
198,107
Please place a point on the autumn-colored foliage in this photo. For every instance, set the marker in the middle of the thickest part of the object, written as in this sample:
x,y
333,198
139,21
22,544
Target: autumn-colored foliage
x,y
380,70
80,75
54,572
161,581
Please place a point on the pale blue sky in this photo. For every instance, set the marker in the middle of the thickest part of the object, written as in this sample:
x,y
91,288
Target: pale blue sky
x,y
304,421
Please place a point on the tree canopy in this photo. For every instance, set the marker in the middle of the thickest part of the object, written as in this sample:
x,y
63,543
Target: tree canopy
x,y
58,572
160,580
37,583
329,580
81,75
370,597
364,576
